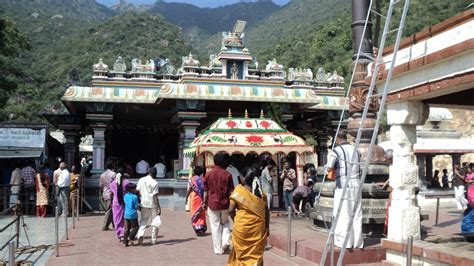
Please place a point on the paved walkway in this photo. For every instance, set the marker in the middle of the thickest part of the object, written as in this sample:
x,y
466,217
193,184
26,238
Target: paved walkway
x,y
39,232
177,245
449,220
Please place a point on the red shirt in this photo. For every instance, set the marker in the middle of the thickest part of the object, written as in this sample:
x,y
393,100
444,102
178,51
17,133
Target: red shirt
x,y
218,182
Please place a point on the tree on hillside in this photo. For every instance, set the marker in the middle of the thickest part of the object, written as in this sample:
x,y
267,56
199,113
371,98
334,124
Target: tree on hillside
x,y
12,42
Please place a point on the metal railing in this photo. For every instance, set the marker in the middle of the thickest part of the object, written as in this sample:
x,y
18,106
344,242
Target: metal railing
x,y
26,196
75,199
12,245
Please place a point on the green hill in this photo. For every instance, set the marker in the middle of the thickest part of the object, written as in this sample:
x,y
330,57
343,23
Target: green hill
x,y
47,64
327,43
212,20
25,10
295,20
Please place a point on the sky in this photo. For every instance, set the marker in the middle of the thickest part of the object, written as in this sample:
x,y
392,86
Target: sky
x,y
201,3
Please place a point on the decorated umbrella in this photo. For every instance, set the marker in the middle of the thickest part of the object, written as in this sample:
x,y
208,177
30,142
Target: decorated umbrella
x,y
247,135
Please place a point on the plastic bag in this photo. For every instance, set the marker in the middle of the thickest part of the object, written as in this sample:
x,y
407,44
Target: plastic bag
x,y
156,221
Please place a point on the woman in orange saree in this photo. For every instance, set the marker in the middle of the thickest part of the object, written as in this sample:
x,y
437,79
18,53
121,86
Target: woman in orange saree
x,y
195,195
251,221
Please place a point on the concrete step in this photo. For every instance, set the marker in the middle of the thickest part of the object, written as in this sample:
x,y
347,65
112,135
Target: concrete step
x,y
389,263
310,251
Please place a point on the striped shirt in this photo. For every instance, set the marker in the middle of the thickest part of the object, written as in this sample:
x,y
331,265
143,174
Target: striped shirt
x,y
340,160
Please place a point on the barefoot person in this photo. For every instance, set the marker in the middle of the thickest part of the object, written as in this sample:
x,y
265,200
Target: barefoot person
x,y
131,213
196,194
117,188
339,161
218,185
248,207
104,183
149,205
42,188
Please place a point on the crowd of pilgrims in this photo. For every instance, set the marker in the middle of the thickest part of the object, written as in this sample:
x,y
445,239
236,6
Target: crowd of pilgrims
x,y
223,194
43,185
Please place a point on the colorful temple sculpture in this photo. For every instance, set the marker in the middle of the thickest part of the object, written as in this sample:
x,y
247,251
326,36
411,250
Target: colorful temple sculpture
x,y
150,109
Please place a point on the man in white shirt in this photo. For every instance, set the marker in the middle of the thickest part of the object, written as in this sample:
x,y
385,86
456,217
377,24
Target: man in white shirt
x,y
340,160
62,182
142,168
15,185
160,169
149,205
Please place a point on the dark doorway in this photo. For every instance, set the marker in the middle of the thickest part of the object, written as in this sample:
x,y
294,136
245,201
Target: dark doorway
x,y
148,142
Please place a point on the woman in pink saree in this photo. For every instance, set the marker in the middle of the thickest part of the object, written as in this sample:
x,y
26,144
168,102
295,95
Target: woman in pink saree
x,y
195,195
118,186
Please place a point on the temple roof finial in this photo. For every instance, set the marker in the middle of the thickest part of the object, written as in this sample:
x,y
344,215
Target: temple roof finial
x,y
246,114
229,114
261,114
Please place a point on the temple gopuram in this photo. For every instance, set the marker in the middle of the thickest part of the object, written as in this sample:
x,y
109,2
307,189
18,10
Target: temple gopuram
x,y
150,109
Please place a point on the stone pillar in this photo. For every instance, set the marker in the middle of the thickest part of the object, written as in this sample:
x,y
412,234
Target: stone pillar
x,y
456,158
99,124
299,169
420,161
186,137
187,124
404,213
71,146
322,149
429,166
276,195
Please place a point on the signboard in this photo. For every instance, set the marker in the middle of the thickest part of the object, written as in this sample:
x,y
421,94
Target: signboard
x,y
22,137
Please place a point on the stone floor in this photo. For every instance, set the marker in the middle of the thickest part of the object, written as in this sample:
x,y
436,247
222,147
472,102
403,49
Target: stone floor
x,y
449,219
39,232
177,245
88,244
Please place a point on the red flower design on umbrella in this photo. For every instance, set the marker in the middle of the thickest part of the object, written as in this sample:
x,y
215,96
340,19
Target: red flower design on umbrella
x,y
255,140
248,124
265,124
231,123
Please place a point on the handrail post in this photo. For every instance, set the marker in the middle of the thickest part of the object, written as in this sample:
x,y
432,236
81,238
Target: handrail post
x,y
409,250
17,211
11,252
73,206
332,250
289,231
65,213
56,229
78,197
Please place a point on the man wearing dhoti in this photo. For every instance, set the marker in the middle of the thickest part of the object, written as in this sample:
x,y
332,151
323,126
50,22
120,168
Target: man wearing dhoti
x,y
339,161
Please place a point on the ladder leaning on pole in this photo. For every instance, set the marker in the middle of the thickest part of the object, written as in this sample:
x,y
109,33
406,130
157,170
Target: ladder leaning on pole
x,y
382,96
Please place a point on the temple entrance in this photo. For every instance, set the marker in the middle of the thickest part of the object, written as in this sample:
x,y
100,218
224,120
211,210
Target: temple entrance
x,y
131,144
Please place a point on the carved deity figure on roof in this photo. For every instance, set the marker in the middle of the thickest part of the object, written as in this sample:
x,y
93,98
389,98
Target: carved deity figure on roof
x,y
214,61
189,61
151,65
335,78
135,63
309,74
101,66
166,67
234,71
119,65
321,75
273,66
291,74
